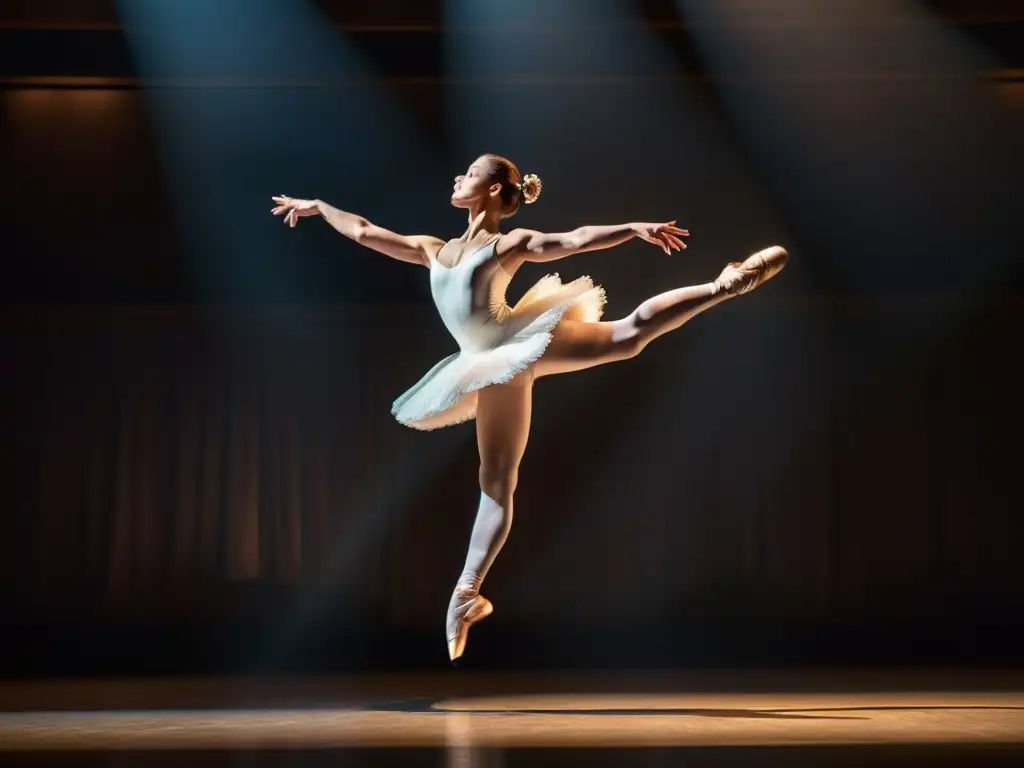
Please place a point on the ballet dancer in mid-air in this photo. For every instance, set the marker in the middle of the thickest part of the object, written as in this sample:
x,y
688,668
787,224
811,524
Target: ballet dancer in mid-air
x,y
554,328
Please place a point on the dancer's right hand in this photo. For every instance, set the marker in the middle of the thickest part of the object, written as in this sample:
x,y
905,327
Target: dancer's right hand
x,y
666,236
293,208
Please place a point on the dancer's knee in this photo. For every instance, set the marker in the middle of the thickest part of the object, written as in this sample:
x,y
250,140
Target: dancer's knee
x,y
498,480
628,338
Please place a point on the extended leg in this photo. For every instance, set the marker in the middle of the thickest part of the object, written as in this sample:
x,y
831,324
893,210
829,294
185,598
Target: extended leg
x,y
502,427
577,345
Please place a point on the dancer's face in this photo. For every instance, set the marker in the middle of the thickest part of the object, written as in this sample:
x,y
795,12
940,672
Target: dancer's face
x,y
475,187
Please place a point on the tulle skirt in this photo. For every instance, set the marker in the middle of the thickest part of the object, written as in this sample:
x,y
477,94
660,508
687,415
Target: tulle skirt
x,y
447,394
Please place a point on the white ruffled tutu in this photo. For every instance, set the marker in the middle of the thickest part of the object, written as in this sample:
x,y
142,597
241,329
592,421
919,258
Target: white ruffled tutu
x,y
447,394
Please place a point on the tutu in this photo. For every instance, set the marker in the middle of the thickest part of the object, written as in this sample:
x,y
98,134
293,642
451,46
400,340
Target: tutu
x,y
447,394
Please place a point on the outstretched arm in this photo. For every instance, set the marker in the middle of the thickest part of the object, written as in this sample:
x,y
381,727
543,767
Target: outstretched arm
x,y
415,249
549,246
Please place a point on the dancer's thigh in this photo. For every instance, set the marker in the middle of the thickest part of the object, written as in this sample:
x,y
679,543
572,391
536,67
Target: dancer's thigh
x,y
503,424
576,346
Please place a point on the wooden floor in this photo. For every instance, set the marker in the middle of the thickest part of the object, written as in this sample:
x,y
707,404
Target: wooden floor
x,y
543,721
459,713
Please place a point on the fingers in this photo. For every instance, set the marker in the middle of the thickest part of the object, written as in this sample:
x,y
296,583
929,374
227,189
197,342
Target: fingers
x,y
289,207
671,234
653,239
283,204
673,242
665,240
670,226
658,239
673,229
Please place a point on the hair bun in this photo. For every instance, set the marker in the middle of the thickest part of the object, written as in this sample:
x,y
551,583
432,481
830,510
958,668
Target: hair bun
x,y
530,187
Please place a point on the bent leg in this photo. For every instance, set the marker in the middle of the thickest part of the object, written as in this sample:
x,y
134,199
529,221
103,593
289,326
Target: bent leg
x,y
578,345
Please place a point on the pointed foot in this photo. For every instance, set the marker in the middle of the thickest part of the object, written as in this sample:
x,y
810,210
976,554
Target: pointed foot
x,y
474,611
742,277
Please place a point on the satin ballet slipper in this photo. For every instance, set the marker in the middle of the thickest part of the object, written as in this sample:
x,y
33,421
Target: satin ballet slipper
x,y
472,609
742,277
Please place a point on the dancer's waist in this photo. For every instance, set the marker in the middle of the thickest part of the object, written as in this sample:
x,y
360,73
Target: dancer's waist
x,y
478,332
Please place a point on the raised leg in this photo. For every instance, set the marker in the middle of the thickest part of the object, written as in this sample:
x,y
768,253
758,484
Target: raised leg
x,y
502,428
577,345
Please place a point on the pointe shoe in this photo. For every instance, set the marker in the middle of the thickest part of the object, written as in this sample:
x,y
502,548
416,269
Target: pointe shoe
x,y
742,277
475,609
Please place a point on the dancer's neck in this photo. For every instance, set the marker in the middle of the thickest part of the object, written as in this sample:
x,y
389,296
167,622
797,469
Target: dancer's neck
x,y
482,223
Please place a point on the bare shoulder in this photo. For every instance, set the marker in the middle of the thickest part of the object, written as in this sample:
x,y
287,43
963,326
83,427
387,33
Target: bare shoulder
x,y
515,241
429,245
510,249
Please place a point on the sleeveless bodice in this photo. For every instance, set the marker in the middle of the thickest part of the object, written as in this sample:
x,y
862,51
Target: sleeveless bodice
x,y
496,343
470,297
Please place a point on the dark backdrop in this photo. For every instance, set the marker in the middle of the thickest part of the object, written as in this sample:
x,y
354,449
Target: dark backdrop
x,y
201,471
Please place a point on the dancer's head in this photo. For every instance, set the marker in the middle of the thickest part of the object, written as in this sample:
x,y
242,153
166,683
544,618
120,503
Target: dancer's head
x,y
494,183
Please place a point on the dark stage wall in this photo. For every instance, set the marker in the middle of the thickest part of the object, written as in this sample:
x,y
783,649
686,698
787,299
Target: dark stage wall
x,y
820,460
172,467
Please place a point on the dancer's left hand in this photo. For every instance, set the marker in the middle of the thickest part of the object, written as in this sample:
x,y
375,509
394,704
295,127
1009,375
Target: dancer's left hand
x,y
293,208
665,236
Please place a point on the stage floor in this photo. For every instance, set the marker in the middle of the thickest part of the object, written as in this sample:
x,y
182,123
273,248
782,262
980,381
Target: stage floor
x,y
465,715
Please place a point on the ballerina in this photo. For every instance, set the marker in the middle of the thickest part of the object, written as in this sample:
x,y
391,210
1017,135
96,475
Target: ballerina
x,y
554,328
